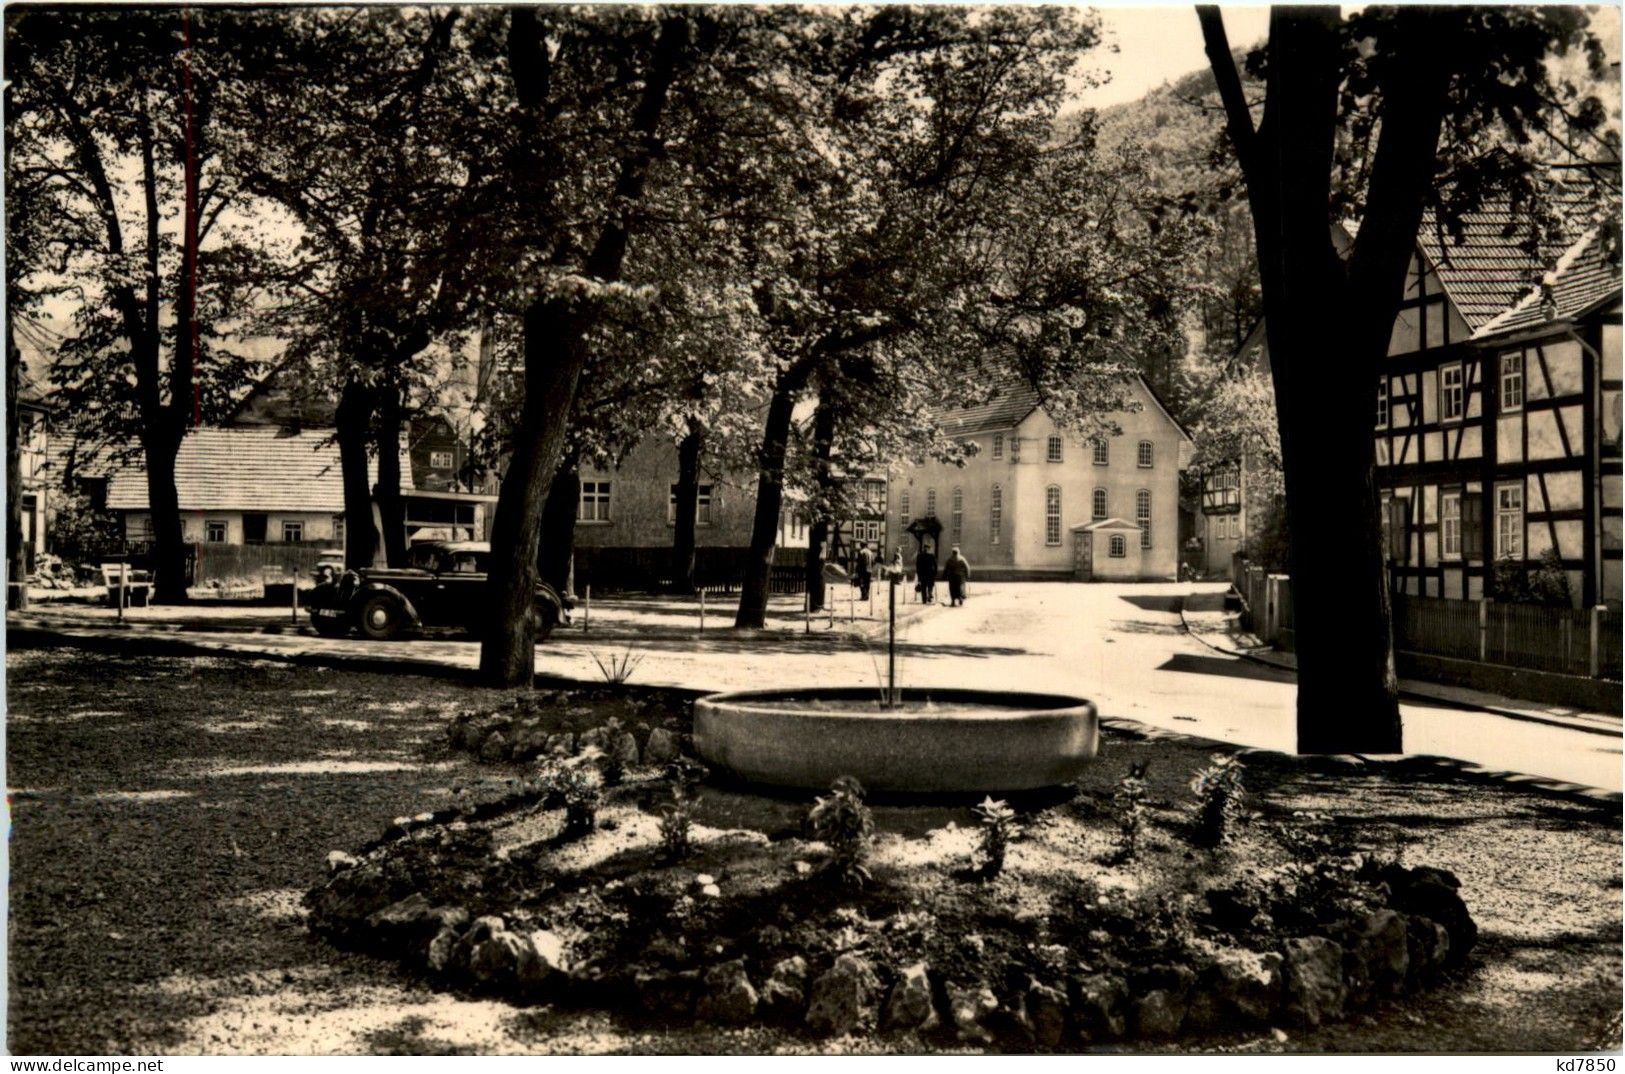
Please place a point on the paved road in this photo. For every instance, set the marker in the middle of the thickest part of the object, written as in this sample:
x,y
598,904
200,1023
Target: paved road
x,y
1122,646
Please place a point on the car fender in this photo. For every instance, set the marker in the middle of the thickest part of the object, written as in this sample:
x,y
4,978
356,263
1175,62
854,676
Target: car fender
x,y
546,594
407,607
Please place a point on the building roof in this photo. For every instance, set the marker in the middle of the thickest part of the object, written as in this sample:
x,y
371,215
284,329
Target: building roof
x,y
1012,400
258,469
1584,276
1496,281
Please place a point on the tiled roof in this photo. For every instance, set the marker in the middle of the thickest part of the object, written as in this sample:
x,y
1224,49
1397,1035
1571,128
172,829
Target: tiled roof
x,y
258,469
1584,276
1011,401
1487,270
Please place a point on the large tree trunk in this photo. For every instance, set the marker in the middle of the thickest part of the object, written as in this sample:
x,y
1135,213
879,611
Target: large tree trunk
x,y
16,568
354,420
163,502
764,533
391,506
1328,326
688,499
555,352
558,544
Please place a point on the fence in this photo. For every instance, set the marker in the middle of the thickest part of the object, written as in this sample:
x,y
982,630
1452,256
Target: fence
x,y
648,570
1568,641
254,562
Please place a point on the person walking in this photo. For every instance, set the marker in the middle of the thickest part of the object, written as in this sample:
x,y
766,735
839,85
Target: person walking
x,y
925,574
957,571
862,570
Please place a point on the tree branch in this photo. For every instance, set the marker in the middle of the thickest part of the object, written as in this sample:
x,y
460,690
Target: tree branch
x,y
1238,116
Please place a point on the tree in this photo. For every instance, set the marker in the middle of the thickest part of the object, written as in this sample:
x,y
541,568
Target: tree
x,y
643,55
920,117
371,129
1374,116
115,112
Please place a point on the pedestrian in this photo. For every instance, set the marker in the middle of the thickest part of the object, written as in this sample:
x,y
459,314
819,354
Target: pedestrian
x,y
957,571
862,569
925,574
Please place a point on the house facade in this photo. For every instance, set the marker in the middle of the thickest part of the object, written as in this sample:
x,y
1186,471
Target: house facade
x,y
1496,431
1020,506
249,486
633,504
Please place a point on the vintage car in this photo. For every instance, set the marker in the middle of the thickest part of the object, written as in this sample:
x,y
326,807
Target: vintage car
x,y
441,585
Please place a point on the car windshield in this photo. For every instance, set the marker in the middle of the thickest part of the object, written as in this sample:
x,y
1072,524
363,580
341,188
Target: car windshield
x,y
465,563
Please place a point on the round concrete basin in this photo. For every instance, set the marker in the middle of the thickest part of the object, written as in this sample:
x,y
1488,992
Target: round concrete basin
x,y
935,741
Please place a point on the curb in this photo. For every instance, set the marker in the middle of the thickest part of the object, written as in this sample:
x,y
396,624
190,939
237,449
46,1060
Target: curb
x,y
1407,694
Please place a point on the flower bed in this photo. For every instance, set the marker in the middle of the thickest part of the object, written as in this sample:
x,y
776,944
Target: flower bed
x,y
1075,941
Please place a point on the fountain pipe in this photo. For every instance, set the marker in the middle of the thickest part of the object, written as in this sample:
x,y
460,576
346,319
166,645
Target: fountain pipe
x,y
891,644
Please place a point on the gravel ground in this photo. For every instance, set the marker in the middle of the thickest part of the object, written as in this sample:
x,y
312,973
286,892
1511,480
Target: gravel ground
x,y
167,813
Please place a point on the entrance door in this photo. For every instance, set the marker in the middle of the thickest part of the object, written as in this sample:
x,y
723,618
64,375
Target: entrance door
x,y
1082,556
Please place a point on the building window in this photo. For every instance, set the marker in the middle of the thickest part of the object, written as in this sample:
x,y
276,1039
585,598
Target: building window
x,y
998,445
594,502
1118,547
214,532
930,503
440,460
1512,381
903,513
1097,504
1509,521
1142,515
293,531
1053,452
1450,392
702,506
995,515
1102,452
1450,525
796,525
957,519
1382,402
1052,515
1145,458
873,501
338,529
1015,449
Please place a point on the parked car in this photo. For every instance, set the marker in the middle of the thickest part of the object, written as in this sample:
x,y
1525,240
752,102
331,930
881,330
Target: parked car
x,y
442,585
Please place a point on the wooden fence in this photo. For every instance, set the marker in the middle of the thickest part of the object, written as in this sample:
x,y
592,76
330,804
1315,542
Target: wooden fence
x,y
1568,641
254,563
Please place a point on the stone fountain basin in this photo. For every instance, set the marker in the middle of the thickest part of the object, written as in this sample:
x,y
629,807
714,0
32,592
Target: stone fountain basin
x,y
936,741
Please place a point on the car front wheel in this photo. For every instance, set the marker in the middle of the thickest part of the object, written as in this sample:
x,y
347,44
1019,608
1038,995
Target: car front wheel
x,y
381,618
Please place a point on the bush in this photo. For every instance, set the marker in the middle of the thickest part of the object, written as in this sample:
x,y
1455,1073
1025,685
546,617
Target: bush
x,y
677,818
578,789
842,821
999,828
1128,810
1546,584
1219,796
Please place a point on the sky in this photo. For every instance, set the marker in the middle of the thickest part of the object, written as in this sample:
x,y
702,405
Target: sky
x,y
1157,44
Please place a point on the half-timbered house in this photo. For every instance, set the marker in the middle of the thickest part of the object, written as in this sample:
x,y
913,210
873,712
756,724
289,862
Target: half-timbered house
x,y
1497,421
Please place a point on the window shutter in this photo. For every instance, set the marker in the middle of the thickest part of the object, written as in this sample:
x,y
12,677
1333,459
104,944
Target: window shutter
x,y
1472,525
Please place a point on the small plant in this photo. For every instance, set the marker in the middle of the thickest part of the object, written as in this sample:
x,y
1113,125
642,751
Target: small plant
x,y
677,819
1219,797
578,789
842,821
999,828
620,668
1128,810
